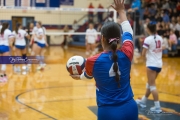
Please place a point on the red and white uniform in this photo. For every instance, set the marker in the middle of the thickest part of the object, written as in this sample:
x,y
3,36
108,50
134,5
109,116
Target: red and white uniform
x,y
154,45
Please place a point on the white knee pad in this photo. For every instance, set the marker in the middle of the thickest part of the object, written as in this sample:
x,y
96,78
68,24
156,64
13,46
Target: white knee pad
x,y
147,86
94,52
3,67
40,59
152,88
32,53
87,53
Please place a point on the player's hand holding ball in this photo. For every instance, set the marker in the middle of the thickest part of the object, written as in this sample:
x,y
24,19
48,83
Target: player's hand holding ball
x,y
76,77
75,66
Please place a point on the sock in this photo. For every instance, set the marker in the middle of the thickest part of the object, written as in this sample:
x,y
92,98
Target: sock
x,y
3,67
144,99
157,104
24,56
41,60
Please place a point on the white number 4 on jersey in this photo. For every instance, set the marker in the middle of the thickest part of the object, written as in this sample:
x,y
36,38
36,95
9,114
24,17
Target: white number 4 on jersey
x,y
112,73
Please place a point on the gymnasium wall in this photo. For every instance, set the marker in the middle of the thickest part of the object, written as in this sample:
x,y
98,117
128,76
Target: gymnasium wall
x,y
47,17
54,17
85,3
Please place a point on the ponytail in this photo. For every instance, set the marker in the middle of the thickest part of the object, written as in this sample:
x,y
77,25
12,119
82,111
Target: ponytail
x,y
111,33
17,28
4,27
115,58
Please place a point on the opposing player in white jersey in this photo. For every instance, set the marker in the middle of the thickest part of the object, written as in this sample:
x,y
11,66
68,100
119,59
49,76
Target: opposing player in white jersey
x,y
6,38
152,48
20,44
91,37
39,35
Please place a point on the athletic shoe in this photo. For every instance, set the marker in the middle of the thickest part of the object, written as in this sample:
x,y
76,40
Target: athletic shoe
x,y
43,65
15,69
18,69
155,109
1,79
140,103
5,79
29,66
24,67
24,72
40,68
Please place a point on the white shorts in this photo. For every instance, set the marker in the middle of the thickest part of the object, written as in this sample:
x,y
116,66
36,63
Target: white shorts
x,y
91,41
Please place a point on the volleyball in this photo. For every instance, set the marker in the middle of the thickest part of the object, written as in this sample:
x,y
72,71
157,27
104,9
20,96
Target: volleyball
x,y
75,65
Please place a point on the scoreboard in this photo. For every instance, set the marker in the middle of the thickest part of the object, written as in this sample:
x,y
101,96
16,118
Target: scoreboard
x,y
36,3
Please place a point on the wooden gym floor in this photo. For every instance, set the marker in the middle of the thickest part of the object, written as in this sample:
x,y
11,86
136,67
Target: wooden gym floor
x,y
52,95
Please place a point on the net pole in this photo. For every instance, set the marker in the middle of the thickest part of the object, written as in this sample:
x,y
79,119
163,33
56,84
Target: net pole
x,y
115,16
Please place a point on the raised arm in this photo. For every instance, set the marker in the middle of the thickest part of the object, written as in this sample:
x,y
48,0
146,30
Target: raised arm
x,y
127,37
119,7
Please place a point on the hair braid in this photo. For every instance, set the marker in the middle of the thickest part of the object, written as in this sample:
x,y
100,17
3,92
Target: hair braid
x,y
115,58
111,33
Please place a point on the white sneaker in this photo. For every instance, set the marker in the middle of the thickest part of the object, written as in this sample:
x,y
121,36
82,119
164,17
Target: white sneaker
x,y
1,79
18,69
155,109
24,72
140,103
43,65
40,68
5,79
24,67
29,65
15,69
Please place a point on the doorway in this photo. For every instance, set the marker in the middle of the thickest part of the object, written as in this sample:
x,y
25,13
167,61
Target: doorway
x,y
25,21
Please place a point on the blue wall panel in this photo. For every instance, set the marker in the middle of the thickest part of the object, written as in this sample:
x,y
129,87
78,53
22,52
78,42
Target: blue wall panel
x,y
8,21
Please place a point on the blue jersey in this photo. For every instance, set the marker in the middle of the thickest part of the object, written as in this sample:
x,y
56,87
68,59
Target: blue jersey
x,y
101,68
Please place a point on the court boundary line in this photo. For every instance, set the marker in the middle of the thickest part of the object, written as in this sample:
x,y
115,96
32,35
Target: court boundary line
x,y
83,86
59,100
32,107
177,95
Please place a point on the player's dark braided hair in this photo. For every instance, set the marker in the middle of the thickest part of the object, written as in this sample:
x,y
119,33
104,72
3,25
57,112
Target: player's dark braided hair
x,y
111,32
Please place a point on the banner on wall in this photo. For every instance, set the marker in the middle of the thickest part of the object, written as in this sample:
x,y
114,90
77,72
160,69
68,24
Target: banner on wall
x,y
67,2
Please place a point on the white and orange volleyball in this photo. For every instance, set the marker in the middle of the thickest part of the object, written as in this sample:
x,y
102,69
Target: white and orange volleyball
x,y
75,65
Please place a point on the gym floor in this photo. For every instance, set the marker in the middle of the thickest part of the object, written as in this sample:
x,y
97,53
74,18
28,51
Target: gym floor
x,y
52,94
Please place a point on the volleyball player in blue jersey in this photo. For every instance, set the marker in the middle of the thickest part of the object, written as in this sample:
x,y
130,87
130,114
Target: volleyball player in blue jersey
x,y
111,71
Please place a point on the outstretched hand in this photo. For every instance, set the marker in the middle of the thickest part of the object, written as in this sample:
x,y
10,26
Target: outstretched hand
x,y
76,77
118,5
